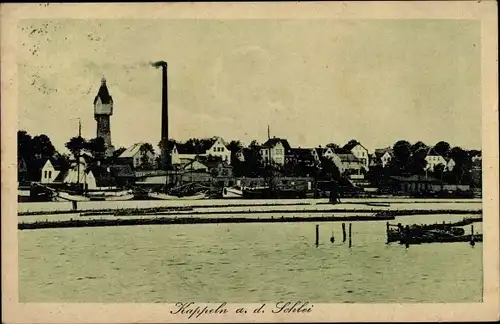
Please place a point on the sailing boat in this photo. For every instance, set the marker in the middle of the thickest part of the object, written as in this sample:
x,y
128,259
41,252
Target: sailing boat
x,y
79,180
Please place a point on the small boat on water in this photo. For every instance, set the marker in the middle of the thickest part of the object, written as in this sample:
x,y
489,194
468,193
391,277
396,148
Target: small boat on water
x,y
163,196
232,192
264,192
95,196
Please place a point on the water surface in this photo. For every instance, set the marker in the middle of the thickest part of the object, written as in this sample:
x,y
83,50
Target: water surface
x,y
244,263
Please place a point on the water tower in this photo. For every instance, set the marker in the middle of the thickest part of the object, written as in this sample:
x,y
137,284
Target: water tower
x,y
103,109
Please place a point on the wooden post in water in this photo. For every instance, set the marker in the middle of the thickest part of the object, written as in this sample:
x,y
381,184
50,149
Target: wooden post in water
x,y
75,205
317,234
332,239
472,242
387,231
343,232
350,234
406,236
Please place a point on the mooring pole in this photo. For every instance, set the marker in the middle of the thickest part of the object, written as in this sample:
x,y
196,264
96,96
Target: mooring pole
x,y
350,234
406,234
332,239
317,234
343,232
387,231
472,242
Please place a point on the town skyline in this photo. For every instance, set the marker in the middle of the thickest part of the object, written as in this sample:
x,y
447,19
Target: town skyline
x,y
234,87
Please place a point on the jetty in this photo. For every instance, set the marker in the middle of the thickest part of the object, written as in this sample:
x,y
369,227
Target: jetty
x,y
433,233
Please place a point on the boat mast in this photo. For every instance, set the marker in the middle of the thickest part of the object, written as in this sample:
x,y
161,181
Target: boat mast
x,y
78,152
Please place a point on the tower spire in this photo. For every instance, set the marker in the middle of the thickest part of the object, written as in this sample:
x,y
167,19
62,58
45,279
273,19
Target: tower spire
x,y
268,132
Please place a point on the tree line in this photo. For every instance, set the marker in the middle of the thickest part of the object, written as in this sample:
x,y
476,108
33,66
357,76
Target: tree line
x,y
408,159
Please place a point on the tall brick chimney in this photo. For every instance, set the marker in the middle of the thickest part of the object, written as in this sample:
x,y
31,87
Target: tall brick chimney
x,y
166,159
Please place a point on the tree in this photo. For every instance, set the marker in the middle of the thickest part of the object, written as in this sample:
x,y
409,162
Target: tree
x,y
97,149
75,145
42,147
234,147
461,173
145,160
352,142
328,170
333,146
418,162
418,146
402,154
442,148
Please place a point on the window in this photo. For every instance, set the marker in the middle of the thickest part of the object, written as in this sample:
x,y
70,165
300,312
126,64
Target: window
x,y
279,151
50,174
45,174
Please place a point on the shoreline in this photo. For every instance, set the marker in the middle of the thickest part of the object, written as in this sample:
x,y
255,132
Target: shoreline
x,y
78,223
188,218
190,205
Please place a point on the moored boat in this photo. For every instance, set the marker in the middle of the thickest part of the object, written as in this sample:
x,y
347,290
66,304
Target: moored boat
x,y
163,196
232,192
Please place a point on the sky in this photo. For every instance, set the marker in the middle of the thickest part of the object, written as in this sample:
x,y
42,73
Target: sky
x,y
313,82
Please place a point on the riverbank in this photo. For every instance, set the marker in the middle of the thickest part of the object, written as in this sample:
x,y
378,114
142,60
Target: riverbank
x,y
194,220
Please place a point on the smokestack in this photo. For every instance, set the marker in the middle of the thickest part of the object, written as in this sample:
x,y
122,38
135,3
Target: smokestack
x,y
164,113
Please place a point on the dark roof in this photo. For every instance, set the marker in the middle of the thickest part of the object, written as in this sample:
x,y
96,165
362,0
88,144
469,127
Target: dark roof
x,y
302,153
196,148
60,177
350,146
348,157
380,152
103,93
244,152
273,141
432,152
320,151
342,150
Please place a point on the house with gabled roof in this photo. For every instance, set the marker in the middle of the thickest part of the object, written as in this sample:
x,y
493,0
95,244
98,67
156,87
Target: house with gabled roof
x,y
383,156
306,156
434,159
137,155
275,150
215,147
360,152
350,163
50,171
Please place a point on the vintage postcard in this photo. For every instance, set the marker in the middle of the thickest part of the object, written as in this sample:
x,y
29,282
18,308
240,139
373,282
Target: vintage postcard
x,y
250,162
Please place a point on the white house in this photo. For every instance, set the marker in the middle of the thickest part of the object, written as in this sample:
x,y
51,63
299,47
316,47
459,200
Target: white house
x,y
275,150
450,164
74,174
215,146
136,156
49,173
434,159
383,156
360,152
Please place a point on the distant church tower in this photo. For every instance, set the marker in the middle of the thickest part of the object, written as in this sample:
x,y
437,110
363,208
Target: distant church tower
x,y
103,109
